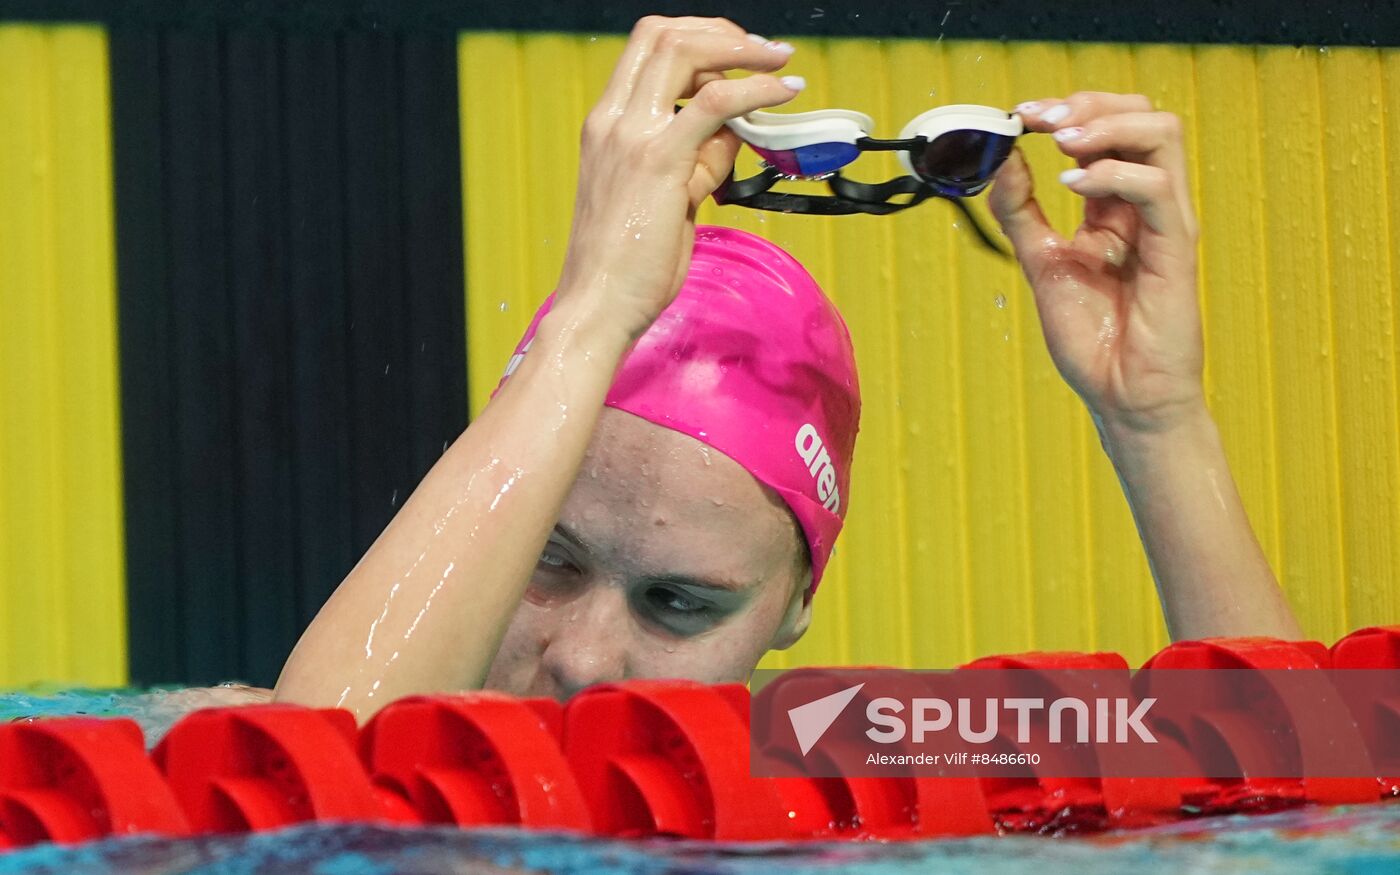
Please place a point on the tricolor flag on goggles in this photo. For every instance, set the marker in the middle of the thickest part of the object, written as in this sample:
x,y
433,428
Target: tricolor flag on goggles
x,y
950,152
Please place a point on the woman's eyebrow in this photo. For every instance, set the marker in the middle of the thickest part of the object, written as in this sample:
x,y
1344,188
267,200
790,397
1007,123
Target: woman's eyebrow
x,y
684,580
572,537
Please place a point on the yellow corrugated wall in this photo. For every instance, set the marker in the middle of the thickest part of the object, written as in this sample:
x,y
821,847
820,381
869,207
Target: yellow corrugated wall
x,y
984,516
62,603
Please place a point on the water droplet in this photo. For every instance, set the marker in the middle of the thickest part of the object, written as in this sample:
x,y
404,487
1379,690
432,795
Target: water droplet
x,y
504,306
1000,301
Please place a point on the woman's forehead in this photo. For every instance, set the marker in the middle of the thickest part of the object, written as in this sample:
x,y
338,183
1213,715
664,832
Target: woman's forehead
x,y
649,458
642,486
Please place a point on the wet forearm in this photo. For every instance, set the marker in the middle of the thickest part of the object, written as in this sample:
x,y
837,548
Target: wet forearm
x,y
1212,577
449,571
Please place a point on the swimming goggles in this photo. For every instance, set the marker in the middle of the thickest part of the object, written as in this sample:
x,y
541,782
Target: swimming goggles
x,y
951,152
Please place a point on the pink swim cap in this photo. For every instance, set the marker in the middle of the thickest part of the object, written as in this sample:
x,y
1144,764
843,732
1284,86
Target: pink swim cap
x,y
753,360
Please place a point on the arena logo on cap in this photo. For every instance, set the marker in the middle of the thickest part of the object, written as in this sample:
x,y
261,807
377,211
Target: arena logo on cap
x,y
812,449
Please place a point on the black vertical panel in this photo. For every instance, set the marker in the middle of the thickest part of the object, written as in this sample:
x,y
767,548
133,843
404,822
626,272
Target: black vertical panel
x,y
315,287
206,392
375,273
432,215
144,319
293,346
260,315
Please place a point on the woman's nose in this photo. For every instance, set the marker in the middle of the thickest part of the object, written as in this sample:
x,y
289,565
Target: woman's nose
x,y
588,645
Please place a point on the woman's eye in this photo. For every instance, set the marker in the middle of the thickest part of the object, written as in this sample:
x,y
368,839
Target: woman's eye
x,y
555,560
677,611
676,602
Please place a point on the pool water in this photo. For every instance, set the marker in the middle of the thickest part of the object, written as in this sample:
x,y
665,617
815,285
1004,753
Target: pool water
x,y
1352,839
1347,839
155,710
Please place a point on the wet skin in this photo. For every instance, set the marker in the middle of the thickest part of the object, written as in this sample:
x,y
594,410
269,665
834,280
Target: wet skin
x,y
604,603
669,560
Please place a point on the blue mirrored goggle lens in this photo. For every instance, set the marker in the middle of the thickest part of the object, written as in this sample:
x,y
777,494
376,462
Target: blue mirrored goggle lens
x,y
817,159
962,163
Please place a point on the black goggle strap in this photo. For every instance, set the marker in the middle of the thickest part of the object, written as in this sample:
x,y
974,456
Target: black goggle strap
x,y
850,197
982,233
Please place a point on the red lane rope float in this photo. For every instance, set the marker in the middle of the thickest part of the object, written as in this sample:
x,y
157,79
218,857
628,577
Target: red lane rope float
x,y
663,758
894,807
80,778
267,766
475,760
645,758
1247,735
1375,647
1077,804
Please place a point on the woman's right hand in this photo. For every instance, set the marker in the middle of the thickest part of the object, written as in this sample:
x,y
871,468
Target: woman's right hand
x,y
427,607
645,168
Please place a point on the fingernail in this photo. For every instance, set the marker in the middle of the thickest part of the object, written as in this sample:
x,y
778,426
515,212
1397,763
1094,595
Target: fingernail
x,y
1056,114
794,83
785,48
1030,107
755,38
1070,177
1064,135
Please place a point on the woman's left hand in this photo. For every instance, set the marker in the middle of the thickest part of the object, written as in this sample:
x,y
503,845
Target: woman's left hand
x,y
1117,300
1118,306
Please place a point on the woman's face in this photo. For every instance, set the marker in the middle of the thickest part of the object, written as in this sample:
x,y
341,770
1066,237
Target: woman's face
x,y
669,560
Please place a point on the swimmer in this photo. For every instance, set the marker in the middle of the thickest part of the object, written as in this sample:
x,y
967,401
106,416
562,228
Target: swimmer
x,y
654,489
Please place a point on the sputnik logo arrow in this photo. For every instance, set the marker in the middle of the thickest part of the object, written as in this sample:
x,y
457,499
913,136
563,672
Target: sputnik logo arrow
x,y
811,721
